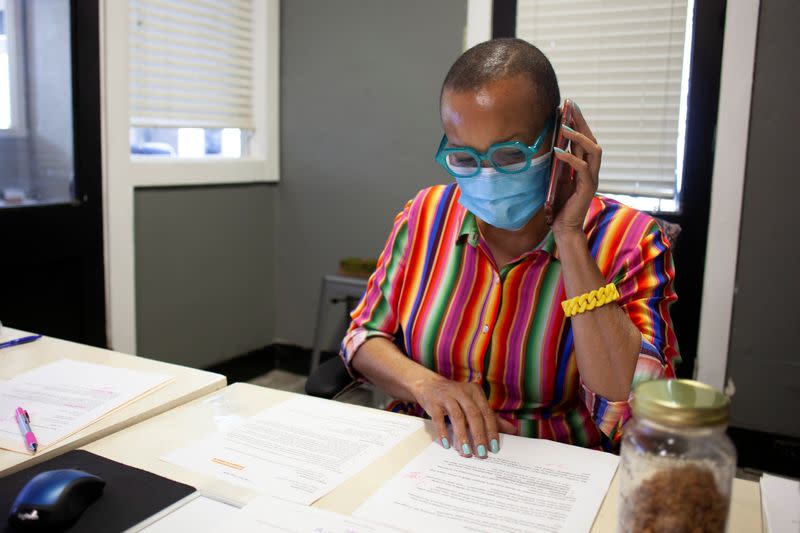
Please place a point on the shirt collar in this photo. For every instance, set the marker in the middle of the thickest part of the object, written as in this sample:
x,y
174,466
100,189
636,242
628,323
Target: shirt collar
x,y
548,244
470,234
469,230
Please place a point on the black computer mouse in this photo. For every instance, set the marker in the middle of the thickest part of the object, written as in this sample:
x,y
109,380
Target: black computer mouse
x,y
54,499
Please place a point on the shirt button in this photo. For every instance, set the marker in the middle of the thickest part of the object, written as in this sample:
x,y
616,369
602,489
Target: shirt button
x,y
485,328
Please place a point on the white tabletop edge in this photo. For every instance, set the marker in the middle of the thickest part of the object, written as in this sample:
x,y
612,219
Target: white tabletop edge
x,y
186,385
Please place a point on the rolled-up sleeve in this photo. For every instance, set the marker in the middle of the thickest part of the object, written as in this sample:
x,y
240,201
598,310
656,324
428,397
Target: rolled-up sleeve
x,y
645,284
377,313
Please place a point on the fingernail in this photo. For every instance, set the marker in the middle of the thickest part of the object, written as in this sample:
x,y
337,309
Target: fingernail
x,y
494,446
559,150
574,103
465,449
567,128
481,450
445,443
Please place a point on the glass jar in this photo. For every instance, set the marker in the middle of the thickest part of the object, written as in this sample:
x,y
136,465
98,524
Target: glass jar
x,y
677,464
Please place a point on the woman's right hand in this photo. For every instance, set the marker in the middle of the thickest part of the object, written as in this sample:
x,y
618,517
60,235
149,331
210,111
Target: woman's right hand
x,y
475,424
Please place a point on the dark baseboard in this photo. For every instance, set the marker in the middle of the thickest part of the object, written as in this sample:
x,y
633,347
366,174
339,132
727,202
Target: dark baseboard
x,y
295,359
767,452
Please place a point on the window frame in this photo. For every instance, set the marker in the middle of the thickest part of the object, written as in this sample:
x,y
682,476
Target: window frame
x,y
123,174
263,162
15,42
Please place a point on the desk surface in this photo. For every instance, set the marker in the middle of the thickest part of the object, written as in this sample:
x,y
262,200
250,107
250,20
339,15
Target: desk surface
x,y
142,445
187,384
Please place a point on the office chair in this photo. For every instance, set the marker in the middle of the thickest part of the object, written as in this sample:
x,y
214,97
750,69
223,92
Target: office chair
x,y
329,380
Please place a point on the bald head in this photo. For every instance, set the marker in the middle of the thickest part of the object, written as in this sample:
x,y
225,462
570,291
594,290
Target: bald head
x,y
499,59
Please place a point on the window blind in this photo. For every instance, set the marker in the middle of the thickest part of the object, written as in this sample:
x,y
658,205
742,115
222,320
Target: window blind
x,y
622,61
190,63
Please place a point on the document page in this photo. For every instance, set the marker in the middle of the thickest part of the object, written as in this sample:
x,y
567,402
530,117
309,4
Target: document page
x,y
300,449
200,514
781,500
531,485
269,514
66,396
6,335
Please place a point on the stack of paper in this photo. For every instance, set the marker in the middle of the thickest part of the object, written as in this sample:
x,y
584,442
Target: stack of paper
x,y
65,396
299,450
264,514
9,335
302,449
269,514
531,485
201,513
781,500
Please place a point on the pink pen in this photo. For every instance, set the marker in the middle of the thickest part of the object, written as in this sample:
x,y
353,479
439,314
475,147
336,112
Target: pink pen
x,y
24,423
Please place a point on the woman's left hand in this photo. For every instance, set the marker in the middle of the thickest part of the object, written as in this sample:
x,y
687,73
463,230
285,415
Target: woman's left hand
x,y
584,158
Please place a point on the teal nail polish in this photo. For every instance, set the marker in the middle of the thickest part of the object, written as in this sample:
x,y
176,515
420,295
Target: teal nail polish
x,y
559,150
567,128
465,449
575,104
494,446
481,450
445,443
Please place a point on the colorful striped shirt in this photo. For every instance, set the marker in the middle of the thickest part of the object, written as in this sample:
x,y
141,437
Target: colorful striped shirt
x,y
439,295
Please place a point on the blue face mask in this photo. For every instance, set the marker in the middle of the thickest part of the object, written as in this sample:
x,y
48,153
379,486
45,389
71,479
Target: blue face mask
x,y
506,201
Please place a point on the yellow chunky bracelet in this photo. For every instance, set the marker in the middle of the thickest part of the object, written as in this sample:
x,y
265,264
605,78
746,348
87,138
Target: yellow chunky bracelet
x,y
590,300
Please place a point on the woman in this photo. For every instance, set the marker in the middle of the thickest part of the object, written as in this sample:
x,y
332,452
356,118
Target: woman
x,y
463,317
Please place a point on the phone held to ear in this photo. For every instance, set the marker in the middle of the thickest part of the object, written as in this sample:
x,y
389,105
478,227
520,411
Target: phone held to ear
x,y
562,179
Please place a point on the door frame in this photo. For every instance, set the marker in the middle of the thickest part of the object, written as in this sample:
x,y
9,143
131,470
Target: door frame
x,y
732,135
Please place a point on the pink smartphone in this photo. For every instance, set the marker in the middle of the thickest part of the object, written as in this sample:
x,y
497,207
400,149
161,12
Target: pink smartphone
x,y
562,179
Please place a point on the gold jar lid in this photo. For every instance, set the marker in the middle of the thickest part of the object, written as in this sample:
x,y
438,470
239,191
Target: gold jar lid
x,y
680,403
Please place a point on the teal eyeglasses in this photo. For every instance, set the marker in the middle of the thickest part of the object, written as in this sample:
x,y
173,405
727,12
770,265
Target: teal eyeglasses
x,y
507,157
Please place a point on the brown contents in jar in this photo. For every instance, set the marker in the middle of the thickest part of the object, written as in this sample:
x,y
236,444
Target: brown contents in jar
x,y
683,499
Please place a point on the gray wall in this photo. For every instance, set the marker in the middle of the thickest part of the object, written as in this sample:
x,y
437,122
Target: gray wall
x,y
764,360
359,127
204,272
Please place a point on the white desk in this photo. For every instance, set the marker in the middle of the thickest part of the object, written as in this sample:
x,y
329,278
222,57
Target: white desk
x,y
188,384
142,445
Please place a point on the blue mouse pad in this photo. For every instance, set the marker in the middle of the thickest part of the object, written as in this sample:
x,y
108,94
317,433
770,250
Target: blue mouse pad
x,y
130,496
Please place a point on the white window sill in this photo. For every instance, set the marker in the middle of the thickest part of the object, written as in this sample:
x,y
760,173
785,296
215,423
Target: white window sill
x,y
169,171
